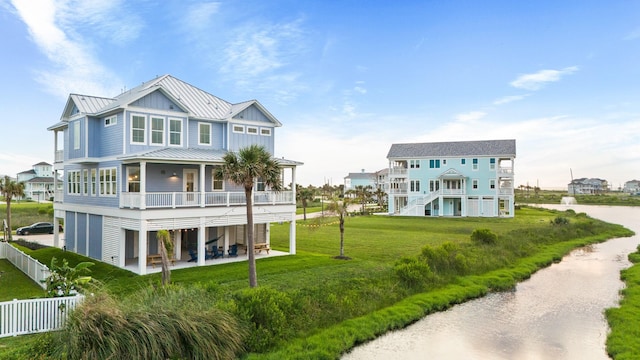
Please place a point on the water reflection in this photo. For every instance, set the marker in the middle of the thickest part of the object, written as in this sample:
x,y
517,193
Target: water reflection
x,y
556,314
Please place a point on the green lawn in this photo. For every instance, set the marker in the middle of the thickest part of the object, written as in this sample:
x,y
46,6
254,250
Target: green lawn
x,y
329,294
16,285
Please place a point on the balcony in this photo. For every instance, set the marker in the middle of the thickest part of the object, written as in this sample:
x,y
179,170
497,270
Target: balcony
x,y
505,171
173,200
398,172
505,191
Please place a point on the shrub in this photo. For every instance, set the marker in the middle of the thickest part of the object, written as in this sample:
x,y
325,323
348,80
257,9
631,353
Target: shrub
x,y
560,220
412,272
484,236
265,311
446,259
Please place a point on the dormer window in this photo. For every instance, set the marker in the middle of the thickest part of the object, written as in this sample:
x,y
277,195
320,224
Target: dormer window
x,y
111,120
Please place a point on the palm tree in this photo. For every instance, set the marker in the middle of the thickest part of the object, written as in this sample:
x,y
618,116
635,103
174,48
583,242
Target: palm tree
x,y
244,168
341,209
380,196
166,248
10,189
362,194
305,195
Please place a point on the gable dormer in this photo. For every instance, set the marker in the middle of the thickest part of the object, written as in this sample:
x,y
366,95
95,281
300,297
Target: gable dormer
x,y
159,100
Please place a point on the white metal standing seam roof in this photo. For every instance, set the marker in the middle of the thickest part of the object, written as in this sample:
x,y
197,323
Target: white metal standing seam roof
x,y
192,155
456,148
90,104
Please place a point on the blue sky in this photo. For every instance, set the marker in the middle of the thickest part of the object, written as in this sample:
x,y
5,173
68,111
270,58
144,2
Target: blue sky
x,y
349,78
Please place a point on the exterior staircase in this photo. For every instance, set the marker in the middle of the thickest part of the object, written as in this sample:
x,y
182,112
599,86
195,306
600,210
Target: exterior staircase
x,y
415,207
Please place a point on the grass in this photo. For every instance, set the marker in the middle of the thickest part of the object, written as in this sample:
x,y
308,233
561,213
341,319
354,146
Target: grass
x,y
25,213
623,342
554,197
16,285
337,304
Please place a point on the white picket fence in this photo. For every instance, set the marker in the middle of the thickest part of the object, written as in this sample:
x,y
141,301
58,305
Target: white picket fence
x,y
25,263
21,317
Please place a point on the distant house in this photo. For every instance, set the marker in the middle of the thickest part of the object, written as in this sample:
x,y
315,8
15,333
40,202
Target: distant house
x,y
632,187
587,186
38,181
463,178
146,160
352,180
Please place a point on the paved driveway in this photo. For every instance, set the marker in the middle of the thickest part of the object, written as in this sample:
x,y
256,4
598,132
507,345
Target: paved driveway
x,y
44,239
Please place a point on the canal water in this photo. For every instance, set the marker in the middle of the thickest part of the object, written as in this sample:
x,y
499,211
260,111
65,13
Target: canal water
x,y
556,314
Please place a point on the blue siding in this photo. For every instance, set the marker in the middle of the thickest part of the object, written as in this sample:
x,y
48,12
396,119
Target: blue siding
x,y
238,141
70,230
136,148
94,135
81,233
156,100
217,135
94,200
69,144
153,243
110,139
95,236
254,114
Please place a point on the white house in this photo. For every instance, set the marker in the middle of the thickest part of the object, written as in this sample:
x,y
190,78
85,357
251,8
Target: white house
x,y
587,186
145,160
632,187
38,181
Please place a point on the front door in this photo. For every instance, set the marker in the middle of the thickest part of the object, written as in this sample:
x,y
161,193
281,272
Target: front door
x,y
190,186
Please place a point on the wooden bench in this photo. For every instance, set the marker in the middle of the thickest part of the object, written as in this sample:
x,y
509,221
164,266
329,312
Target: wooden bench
x,y
261,246
157,259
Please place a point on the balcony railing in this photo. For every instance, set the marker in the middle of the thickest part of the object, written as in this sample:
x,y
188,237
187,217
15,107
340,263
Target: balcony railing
x,y
398,172
157,200
59,157
505,191
505,171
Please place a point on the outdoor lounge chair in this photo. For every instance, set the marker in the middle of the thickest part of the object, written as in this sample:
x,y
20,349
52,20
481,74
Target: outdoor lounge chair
x,y
233,250
216,253
194,256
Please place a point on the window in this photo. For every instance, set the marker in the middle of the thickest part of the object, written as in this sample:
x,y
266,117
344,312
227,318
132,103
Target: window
x,y
252,130
260,185
475,164
434,185
475,183
204,134
111,120
108,182
238,129
415,185
76,135
217,181
175,132
157,131
133,179
444,161
434,164
463,161
265,131
414,164
93,181
492,163
492,183
73,182
85,181
138,129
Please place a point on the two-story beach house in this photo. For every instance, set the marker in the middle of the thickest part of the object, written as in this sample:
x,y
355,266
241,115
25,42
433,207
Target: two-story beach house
x,y
145,160
463,178
38,182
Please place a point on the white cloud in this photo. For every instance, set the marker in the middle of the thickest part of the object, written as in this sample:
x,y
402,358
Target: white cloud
x,y
471,116
76,69
507,99
360,90
537,80
199,15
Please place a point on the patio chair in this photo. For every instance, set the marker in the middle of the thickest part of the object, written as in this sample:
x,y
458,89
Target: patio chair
x,y
233,250
194,256
216,253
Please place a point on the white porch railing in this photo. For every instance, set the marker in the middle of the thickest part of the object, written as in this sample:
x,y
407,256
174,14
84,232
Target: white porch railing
x,y
194,199
21,317
398,171
505,171
25,263
416,206
59,156
453,191
505,191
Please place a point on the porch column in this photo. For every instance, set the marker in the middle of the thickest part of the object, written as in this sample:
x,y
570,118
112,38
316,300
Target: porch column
x,y
143,185
226,237
142,248
177,245
56,231
202,252
440,205
203,189
292,224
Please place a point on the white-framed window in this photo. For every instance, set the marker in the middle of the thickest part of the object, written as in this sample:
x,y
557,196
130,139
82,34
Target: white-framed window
x,y
73,182
76,135
252,130
157,131
217,182
138,129
108,181
93,182
474,183
110,120
474,163
204,133
414,164
415,185
492,183
175,132
133,179
85,181
492,163
265,131
260,185
238,129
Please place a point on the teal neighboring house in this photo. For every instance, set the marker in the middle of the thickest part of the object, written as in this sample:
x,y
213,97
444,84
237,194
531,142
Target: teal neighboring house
x,y
458,179
146,160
